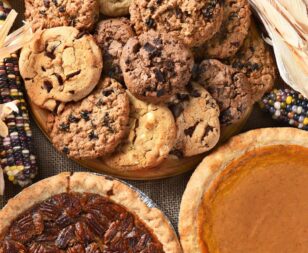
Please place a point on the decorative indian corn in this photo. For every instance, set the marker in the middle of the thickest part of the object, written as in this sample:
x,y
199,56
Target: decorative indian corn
x,y
16,153
288,106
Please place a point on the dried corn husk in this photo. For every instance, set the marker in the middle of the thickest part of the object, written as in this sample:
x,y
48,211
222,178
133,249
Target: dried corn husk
x,y
287,24
5,110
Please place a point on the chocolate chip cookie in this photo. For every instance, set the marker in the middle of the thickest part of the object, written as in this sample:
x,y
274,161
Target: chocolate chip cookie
x,y
81,14
192,21
155,66
256,61
114,8
152,136
112,35
233,31
231,90
94,126
60,65
197,121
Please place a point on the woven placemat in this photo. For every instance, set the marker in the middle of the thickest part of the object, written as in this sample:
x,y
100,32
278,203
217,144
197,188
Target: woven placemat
x,y
165,193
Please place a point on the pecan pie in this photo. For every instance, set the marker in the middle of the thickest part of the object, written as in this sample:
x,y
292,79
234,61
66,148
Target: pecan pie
x,y
249,196
83,213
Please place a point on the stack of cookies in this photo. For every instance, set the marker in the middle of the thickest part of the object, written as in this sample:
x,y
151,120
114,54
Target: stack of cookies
x,y
158,79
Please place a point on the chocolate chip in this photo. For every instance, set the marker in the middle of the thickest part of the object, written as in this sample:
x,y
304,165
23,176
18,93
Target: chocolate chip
x,y
71,75
158,41
178,153
136,48
255,66
208,129
150,22
66,150
62,9
107,93
149,48
43,68
159,76
195,94
160,93
233,15
80,34
48,85
93,136
55,2
182,97
50,55
110,192
235,44
176,109
59,78
73,119
46,3
64,127
159,1
189,131
71,92
42,12
85,115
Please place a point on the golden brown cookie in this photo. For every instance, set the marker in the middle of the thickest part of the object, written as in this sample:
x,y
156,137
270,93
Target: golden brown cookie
x,y
152,136
192,21
94,126
234,29
197,119
81,14
256,61
60,65
114,8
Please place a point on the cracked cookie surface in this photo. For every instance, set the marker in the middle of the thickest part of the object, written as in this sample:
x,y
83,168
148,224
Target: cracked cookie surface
x,y
197,121
94,126
111,35
114,8
155,66
152,136
234,29
256,61
192,21
81,14
230,89
60,65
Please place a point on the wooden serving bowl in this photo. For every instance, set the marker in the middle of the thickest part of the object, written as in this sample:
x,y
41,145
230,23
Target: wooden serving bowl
x,y
170,167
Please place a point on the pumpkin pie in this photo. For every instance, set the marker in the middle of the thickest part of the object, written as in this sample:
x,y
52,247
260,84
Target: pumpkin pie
x,y
249,196
83,213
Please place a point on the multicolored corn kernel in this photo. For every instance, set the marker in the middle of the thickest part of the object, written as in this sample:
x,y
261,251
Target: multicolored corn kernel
x,y
16,156
288,106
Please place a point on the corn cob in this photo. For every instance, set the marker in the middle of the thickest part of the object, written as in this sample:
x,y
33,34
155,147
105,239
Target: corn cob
x,y
18,160
16,154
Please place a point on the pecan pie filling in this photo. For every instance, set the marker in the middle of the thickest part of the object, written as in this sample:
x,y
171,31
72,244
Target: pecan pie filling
x,y
79,223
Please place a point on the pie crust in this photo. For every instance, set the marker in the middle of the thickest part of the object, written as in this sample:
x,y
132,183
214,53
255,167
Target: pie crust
x,y
81,182
213,171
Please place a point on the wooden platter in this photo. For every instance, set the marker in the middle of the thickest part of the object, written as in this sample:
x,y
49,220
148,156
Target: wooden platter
x,y
171,167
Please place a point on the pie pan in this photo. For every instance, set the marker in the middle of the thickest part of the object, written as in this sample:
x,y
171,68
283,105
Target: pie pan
x,y
250,195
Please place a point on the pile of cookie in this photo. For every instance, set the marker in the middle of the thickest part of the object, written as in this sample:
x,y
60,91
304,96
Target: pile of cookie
x,y
159,78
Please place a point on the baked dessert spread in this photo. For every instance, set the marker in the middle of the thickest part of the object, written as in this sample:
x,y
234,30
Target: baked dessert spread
x,y
94,126
156,51
53,13
60,65
192,21
249,196
83,213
